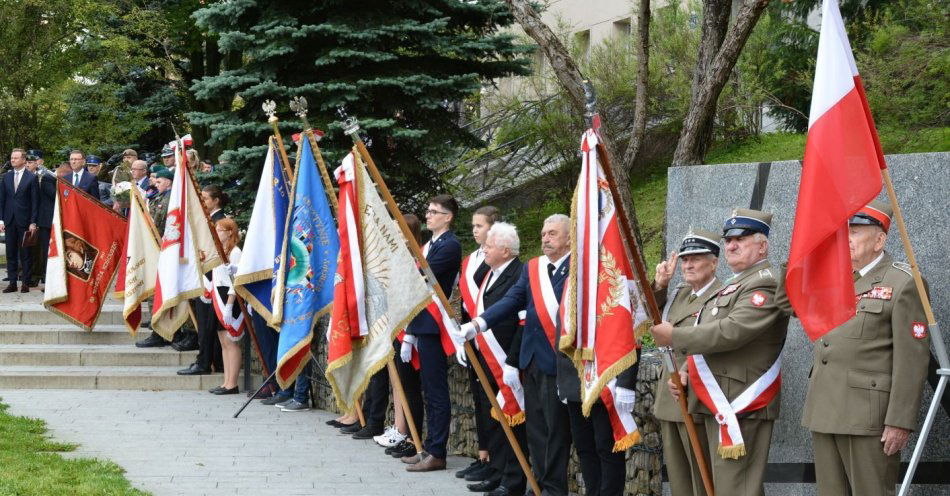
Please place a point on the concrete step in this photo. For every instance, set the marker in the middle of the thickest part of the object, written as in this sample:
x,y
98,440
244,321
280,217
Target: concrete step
x,y
35,313
127,378
62,333
92,355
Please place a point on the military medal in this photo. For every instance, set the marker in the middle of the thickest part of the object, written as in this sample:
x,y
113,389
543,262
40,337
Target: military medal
x,y
715,310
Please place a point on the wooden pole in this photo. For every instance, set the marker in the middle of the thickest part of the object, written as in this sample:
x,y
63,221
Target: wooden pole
x,y
433,283
358,406
224,257
284,161
401,393
639,267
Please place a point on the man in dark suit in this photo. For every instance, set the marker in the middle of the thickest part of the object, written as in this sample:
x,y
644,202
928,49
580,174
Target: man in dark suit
x,y
46,185
444,255
538,292
18,205
80,177
501,250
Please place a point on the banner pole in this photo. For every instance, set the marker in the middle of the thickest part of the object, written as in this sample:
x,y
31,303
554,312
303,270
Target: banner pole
x,y
270,108
299,106
352,129
639,267
401,394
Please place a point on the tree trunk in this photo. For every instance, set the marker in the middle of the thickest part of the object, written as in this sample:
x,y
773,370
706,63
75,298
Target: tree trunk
x,y
571,79
643,77
692,145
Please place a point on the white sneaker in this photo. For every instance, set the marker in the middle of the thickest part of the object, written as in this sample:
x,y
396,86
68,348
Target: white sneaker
x,y
389,438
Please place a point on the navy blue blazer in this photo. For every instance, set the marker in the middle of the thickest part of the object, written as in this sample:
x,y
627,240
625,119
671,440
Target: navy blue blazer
x,y
19,208
87,183
47,198
445,260
534,342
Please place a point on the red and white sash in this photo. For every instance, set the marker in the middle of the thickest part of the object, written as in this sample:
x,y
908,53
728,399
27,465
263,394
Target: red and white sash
x,y
546,303
510,401
439,315
235,332
468,286
758,395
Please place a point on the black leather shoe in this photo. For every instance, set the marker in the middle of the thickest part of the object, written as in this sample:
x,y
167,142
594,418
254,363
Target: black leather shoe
x,y
502,491
215,390
189,342
223,391
407,449
368,432
11,288
194,369
152,341
462,473
351,429
485,485
484,472
24,288
334,423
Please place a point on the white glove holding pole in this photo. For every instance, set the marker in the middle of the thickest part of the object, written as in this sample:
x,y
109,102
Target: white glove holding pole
x,y
624,399
227,314
405,351
460,354
511,377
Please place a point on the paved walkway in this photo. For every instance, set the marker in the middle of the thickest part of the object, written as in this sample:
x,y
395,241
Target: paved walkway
x,y
186,443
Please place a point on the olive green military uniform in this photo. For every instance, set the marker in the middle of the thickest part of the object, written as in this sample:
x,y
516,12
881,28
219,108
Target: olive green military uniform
x,y
740,334
681,467
158,210
867,373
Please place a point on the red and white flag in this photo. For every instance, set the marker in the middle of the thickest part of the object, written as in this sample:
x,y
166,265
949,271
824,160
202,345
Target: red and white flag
x,y
188,251
139,263
603,308
841,173
86,242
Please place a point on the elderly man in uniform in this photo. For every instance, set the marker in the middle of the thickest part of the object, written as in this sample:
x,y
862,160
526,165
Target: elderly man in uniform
x,y
158,210
734,348
538,293
698,255
865,386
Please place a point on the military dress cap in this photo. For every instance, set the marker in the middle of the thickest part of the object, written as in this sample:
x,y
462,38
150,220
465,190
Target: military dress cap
x,y
876,213
167,151
700,241
165,174
93,160
745,221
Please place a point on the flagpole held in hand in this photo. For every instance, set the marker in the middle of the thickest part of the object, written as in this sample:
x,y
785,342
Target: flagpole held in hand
x,y
352,128
639,267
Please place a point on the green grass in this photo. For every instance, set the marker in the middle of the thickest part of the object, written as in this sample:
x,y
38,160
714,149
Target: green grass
x,y
30,464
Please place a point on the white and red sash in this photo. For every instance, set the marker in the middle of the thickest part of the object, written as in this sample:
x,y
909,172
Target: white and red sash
x,y
546,303
440,316
467,284
758,395
510,401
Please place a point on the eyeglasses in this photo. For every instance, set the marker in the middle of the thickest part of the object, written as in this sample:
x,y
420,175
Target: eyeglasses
x,y
435,212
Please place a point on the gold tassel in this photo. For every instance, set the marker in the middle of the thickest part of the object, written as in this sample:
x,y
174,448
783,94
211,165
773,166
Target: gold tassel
x,y
627,441
512,420
733,452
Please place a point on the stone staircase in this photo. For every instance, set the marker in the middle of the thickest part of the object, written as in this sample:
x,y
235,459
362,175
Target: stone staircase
x,y
40,350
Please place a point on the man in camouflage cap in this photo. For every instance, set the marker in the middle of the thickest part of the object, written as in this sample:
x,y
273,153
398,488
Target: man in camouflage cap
x,y
733,357
867,378
699,255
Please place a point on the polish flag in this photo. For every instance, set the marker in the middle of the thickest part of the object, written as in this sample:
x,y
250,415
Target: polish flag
x,y
840,174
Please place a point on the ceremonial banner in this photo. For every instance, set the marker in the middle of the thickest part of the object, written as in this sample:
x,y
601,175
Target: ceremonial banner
x,y
86,242
394,290
188,251
841,173
264,241
307,266
140,263
603,306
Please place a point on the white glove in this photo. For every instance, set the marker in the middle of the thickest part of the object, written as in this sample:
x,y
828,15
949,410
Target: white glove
x,y
467,331
232,268
625,398
460,354
511,377
405,351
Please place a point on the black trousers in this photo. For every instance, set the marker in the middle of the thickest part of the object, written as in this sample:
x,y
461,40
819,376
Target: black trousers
x,y
412,386
376,399
502,455
548,430
604,471
17,257
40,253
482,406
209,347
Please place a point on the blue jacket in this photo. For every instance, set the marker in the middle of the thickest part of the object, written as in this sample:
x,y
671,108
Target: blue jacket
x,y
47,198
534,342
445,259
87,183
19,208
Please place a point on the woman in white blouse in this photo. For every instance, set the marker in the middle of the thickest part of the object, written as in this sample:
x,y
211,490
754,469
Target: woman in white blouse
x,y
230,318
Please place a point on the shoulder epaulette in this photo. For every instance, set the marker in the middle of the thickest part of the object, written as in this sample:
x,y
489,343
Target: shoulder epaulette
x,y
901,266
681,285
766,273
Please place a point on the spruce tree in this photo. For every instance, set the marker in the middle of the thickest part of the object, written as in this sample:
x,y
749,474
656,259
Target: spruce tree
x,y
402,67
